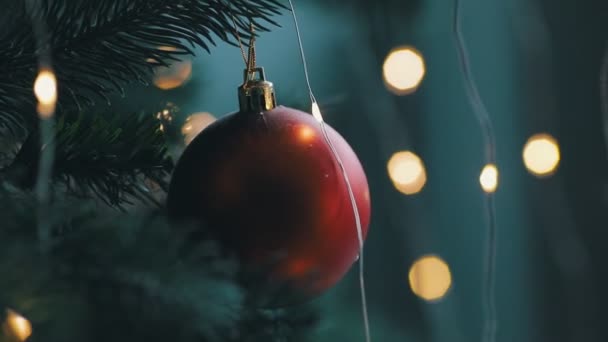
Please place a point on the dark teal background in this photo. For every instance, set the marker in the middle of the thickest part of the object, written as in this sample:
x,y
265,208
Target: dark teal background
x,y
537,64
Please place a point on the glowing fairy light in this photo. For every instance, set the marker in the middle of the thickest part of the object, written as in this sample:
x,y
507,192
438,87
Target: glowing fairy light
x,y
45,89
17,326
316,112
489,178
403,70
430,278
195,124
165,116
541,155
407,172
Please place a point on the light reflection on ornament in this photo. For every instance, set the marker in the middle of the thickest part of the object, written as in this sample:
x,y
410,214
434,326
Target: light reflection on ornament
x,y
541,155
403,70
430,278
17,326
45,89
194,124
306,133
489,178
407,172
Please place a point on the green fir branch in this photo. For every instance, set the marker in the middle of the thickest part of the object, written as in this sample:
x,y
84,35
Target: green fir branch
x,y
111,156
99,46
117,277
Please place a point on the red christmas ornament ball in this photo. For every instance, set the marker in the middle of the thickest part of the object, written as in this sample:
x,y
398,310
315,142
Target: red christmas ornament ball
x,y
268,186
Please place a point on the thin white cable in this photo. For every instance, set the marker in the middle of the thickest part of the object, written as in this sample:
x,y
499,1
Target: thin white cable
x,y
304,64
317,114
46,134
489,140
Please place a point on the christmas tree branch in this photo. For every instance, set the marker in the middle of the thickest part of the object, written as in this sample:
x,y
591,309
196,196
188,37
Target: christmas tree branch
x,y
98,46
108,155
117,277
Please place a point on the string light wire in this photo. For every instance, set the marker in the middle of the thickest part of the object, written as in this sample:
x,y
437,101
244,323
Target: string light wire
x,y
489,139
46,132
317,114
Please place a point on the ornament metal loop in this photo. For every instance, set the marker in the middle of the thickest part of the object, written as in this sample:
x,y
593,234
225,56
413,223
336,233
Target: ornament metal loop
x,y
256,94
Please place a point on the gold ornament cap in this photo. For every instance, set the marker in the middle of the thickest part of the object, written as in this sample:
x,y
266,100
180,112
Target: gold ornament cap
x,y
256,94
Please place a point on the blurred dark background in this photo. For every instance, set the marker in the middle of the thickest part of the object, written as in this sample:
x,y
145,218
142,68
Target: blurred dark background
x,y
538,66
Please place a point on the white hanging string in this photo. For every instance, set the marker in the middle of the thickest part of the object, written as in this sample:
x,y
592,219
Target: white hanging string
x,y
317,114
489,139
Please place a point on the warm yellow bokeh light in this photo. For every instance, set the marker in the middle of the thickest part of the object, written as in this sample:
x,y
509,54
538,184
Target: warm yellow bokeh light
x,y
17,326
173,76
430,278
489,178
403,70
407,172
155,60
194,124
167,48
541,155
45,89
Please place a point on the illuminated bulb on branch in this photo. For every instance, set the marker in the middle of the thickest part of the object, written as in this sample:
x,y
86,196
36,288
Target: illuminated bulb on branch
x,y
194,124
430,278
489,178
403,70
407,172
165,116
541,155
17,326
45,89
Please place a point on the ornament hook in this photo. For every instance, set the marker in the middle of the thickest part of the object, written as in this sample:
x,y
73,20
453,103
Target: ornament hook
x,y
250,58
256,94
251,55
